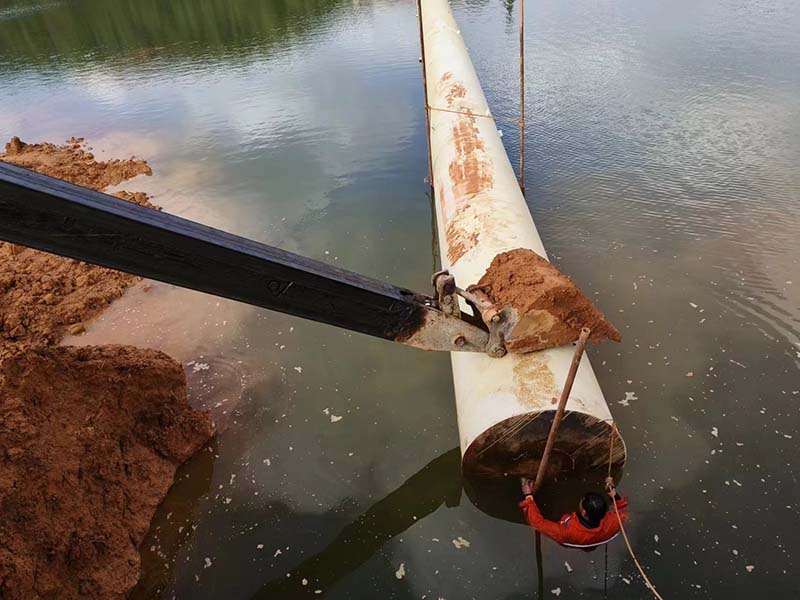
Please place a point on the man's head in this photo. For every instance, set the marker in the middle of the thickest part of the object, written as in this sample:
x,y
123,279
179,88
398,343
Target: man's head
x,y
593,508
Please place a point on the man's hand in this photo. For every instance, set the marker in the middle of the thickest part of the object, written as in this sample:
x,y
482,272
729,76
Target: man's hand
x,y
612,491
527,486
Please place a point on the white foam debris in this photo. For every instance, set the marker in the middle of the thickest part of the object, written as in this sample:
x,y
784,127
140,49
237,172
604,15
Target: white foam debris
x,y
401,571
460,542
692,304
298,369
267,461
200,367
207,562
568,567
737,483
736,362
335,419
627,399
735,552
227,500
749,568
655,537
305,581
626,580
277,553
326,411
690,374
715,432
556,592
259,546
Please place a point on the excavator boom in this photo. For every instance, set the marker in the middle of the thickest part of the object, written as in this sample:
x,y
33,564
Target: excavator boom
x,y
61,218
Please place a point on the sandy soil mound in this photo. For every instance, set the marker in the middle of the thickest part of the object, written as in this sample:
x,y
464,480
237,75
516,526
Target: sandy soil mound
x,y
550,307
89,442
73,162
90,437
43,296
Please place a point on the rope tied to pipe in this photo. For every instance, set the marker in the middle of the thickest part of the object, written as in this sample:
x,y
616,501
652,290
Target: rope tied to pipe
x,y
579,349
645,578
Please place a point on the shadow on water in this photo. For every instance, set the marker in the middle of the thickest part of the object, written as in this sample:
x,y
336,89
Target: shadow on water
x,y
173,524
439,482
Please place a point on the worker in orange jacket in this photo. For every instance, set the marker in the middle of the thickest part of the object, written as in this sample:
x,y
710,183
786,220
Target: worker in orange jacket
x,y
592,525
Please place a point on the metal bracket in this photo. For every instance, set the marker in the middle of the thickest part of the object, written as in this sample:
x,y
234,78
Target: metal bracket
x,y
497,320
444,284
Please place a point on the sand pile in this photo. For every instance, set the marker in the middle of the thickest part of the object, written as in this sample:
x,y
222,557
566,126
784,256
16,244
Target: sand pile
x,y
43,296
73,162
550,309
90,437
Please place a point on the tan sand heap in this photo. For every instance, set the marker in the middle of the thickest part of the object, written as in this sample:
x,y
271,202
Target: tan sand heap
x,y
89,442
90,437
548,308
43,296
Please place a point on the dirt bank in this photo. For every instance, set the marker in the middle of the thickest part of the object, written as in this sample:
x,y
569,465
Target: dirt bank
x,y
550,307
90,437
89,442
43,296
73,162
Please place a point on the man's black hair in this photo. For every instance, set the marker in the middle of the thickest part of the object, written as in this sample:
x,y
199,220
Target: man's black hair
x,y
595,506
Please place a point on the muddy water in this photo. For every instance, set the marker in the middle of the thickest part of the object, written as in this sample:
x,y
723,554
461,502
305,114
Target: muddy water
x,y
662,156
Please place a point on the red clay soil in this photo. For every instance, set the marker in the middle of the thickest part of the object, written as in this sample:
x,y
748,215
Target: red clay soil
x,y
73,162
43,296
551,308
90,438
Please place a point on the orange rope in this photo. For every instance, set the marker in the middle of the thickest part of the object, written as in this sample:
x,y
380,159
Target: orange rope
x,y
647,581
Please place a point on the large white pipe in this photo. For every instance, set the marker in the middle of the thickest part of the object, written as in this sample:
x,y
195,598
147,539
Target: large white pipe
x,y
505,406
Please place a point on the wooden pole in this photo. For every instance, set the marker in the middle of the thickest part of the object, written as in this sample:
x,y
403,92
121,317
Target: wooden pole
x,y
562,405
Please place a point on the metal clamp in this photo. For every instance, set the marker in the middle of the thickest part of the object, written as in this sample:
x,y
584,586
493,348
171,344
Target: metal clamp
x,y
494,320
497,320
444,284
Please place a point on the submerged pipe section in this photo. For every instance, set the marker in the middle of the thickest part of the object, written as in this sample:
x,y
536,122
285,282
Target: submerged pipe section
x,y
505,406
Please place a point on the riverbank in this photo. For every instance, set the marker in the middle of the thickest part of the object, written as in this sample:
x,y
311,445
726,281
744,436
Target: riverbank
x,y
91,437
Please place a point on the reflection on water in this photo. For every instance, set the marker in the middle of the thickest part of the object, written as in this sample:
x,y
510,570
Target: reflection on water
x,y
436,484
664,140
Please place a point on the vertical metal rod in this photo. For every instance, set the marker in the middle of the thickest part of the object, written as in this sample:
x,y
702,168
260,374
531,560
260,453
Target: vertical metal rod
x,y
522,95
425,92
562,404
